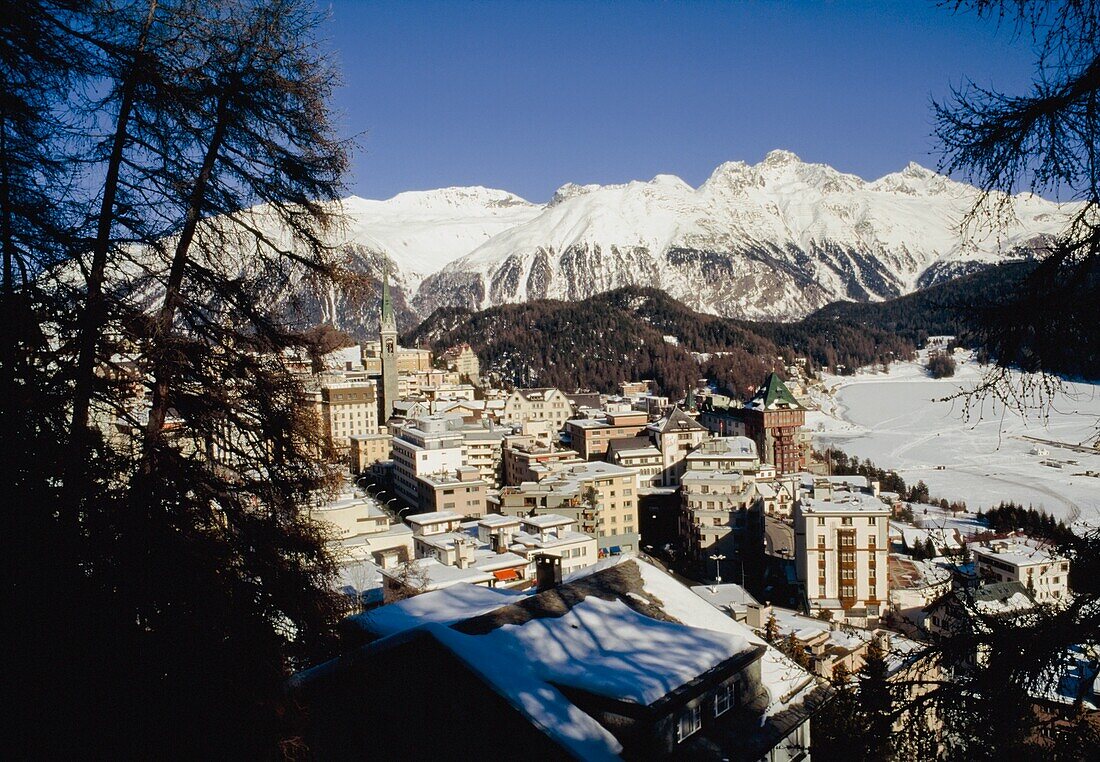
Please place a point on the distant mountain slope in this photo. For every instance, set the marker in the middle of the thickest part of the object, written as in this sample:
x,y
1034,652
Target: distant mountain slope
x,y
633,333
776,241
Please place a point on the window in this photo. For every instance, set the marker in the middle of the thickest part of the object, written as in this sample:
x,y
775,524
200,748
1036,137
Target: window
x,y
821,521
690,721
723,699
846,521
870,521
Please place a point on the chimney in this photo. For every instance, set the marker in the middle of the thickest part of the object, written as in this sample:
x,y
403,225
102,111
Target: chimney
x,y
547,572
500,542
757,615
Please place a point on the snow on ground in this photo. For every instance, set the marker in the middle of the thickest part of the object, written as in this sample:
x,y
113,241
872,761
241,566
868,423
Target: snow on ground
x,y
899,421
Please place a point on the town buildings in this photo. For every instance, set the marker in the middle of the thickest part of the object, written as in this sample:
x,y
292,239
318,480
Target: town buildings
x,y
640,455
722,514
462,360
590,437
676,436
1042,572
841,547
617,662
463,491
524,405
600,497
773,418
528,459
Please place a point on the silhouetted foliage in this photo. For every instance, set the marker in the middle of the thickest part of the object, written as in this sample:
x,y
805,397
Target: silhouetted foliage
x,y
1044,141
164,572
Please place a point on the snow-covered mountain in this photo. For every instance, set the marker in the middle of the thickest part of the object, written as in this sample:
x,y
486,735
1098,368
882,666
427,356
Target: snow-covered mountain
x,y
774,240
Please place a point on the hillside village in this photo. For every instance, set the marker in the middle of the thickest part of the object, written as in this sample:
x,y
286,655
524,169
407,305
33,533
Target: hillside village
x,y
702,540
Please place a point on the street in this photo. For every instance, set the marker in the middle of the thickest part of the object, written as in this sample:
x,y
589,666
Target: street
x,y
778,538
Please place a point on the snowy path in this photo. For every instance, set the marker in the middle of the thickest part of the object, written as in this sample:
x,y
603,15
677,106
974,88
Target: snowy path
x,y
899,421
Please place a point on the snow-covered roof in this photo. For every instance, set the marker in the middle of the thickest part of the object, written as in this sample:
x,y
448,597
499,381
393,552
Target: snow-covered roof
x,y
608,648
788,685
451,604
435,517
1016,553
547,520
843,503
727,596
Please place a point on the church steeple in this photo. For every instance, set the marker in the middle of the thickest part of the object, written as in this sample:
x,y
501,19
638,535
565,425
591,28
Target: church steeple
x,y
387,323
387,336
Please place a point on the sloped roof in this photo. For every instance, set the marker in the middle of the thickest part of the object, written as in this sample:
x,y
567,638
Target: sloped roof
x,y
629,443
773,395
678,420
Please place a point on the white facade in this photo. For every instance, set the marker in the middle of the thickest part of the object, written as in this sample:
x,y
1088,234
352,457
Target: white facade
x,y
841,549
524,405
1044,574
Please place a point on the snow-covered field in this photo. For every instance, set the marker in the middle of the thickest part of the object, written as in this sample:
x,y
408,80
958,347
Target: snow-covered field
x,y
898,421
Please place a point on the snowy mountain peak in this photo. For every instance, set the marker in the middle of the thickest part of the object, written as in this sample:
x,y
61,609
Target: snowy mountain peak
x,y
780,157
670,181
772,240
570,190
458,196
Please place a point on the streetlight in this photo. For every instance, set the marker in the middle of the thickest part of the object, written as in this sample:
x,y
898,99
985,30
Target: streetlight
x,y
718,559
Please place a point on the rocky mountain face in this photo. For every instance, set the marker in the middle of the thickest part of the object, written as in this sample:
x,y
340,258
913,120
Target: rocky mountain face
x,y
776,240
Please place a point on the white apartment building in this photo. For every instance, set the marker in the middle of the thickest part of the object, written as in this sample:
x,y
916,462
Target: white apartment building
x,y
483,449
676,437
639,455
1016,559
724,454
363,540
425,446
439,445
841,547
548,534
524,405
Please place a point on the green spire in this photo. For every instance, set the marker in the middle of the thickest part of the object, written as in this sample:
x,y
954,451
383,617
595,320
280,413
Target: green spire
x,y
774,393
388,322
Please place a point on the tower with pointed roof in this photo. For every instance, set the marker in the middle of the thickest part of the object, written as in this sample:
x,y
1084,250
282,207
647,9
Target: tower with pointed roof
x,y
775,419
387,334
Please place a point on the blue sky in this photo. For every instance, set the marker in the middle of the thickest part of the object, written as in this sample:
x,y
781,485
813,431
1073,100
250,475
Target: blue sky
x,y
527,96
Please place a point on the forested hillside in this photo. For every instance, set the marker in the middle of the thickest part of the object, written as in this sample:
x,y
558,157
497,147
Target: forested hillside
x,y
644,333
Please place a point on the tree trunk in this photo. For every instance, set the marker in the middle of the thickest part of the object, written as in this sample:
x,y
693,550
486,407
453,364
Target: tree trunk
x,y
162,330
94,308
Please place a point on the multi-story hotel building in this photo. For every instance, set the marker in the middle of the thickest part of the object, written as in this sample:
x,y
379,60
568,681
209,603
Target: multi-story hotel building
x,y
524,405
841,547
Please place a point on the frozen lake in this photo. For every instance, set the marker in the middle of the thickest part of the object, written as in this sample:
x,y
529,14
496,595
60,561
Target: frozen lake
x,y
896,420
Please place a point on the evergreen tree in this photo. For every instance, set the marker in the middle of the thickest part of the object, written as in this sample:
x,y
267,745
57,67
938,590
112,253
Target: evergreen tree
x,y
189,561
876,702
